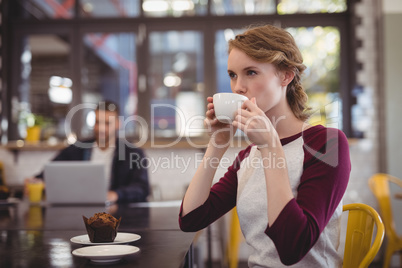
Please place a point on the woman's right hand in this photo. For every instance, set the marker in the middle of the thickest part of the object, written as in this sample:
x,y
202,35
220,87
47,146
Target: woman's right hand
x,y
220,133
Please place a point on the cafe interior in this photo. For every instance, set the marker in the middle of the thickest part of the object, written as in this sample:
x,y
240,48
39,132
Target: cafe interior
x,y
159,60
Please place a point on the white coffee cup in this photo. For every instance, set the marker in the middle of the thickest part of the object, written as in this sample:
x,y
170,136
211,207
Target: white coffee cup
x,y
226,105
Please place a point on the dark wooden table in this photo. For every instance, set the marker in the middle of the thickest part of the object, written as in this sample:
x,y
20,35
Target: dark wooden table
x,y
39,235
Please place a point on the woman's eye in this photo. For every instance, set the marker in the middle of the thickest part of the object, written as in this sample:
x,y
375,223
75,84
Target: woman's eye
x,y
232,75
251,72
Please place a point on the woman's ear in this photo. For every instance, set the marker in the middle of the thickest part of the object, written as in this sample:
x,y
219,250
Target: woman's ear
x,y
287,77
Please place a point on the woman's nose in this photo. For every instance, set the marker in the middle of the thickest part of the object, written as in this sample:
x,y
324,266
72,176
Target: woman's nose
x,y
239,88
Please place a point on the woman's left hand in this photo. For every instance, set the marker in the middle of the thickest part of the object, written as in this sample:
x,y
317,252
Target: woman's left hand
x,y
255,124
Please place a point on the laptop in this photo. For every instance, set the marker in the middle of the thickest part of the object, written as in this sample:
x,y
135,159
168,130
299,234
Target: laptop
x,y
75,183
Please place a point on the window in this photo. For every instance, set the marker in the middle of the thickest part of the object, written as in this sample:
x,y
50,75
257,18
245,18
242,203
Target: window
x,y
110,72
160,59
43,57
222,7
320,48
176,75
42,9
174,8
109,9
311,6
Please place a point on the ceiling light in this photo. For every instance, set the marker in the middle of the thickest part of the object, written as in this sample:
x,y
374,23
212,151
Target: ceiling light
x,y
171,80
60,95
155,6
60,90
182,5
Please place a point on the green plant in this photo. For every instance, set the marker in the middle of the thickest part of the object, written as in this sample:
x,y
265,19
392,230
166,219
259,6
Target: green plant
x,y
32,119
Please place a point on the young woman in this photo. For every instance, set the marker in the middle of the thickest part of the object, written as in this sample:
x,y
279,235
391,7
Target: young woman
x,y
288,185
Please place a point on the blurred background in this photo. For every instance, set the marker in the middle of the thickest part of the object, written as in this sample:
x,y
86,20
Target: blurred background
x,y
160,59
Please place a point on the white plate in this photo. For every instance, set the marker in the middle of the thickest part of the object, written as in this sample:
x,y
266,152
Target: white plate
x,y
121,238
9,201
105,253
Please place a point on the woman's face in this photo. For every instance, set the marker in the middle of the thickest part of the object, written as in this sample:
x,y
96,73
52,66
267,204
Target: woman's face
x,y
256,79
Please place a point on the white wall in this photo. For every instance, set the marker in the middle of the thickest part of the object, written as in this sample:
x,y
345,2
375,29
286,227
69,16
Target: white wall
x,y
393,83
392,6
392,36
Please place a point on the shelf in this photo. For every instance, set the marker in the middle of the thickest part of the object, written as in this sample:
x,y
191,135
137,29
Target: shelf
x,y
39,146
157,143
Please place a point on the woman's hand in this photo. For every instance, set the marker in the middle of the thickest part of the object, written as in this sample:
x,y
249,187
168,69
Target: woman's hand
x,y
220,133
255,124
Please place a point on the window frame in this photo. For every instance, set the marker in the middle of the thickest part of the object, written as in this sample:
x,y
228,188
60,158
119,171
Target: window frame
x,y
207,25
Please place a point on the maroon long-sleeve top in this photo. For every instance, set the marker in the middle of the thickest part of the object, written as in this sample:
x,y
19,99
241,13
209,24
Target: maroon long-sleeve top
x,y
321,156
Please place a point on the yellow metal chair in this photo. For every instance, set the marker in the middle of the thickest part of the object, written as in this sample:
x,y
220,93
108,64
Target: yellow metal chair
x,y
234,240
379,185
359,248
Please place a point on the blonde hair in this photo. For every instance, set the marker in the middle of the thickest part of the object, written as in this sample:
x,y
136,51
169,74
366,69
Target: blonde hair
x,y
274,45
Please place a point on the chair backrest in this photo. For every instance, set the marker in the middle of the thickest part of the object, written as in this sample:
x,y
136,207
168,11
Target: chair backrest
x,y
379,185
359,248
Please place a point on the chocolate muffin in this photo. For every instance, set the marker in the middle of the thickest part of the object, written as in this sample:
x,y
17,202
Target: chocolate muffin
x,y
101,227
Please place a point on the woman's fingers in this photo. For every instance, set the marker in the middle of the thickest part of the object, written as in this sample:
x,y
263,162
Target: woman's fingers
x,y
249,112
253,122
244,113
211,119
210,113
250,105
239,125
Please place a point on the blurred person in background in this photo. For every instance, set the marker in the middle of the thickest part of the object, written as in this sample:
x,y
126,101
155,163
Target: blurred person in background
x,y
128,182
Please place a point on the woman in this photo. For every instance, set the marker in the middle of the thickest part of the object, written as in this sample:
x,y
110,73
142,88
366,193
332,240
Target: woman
x,y
288,185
